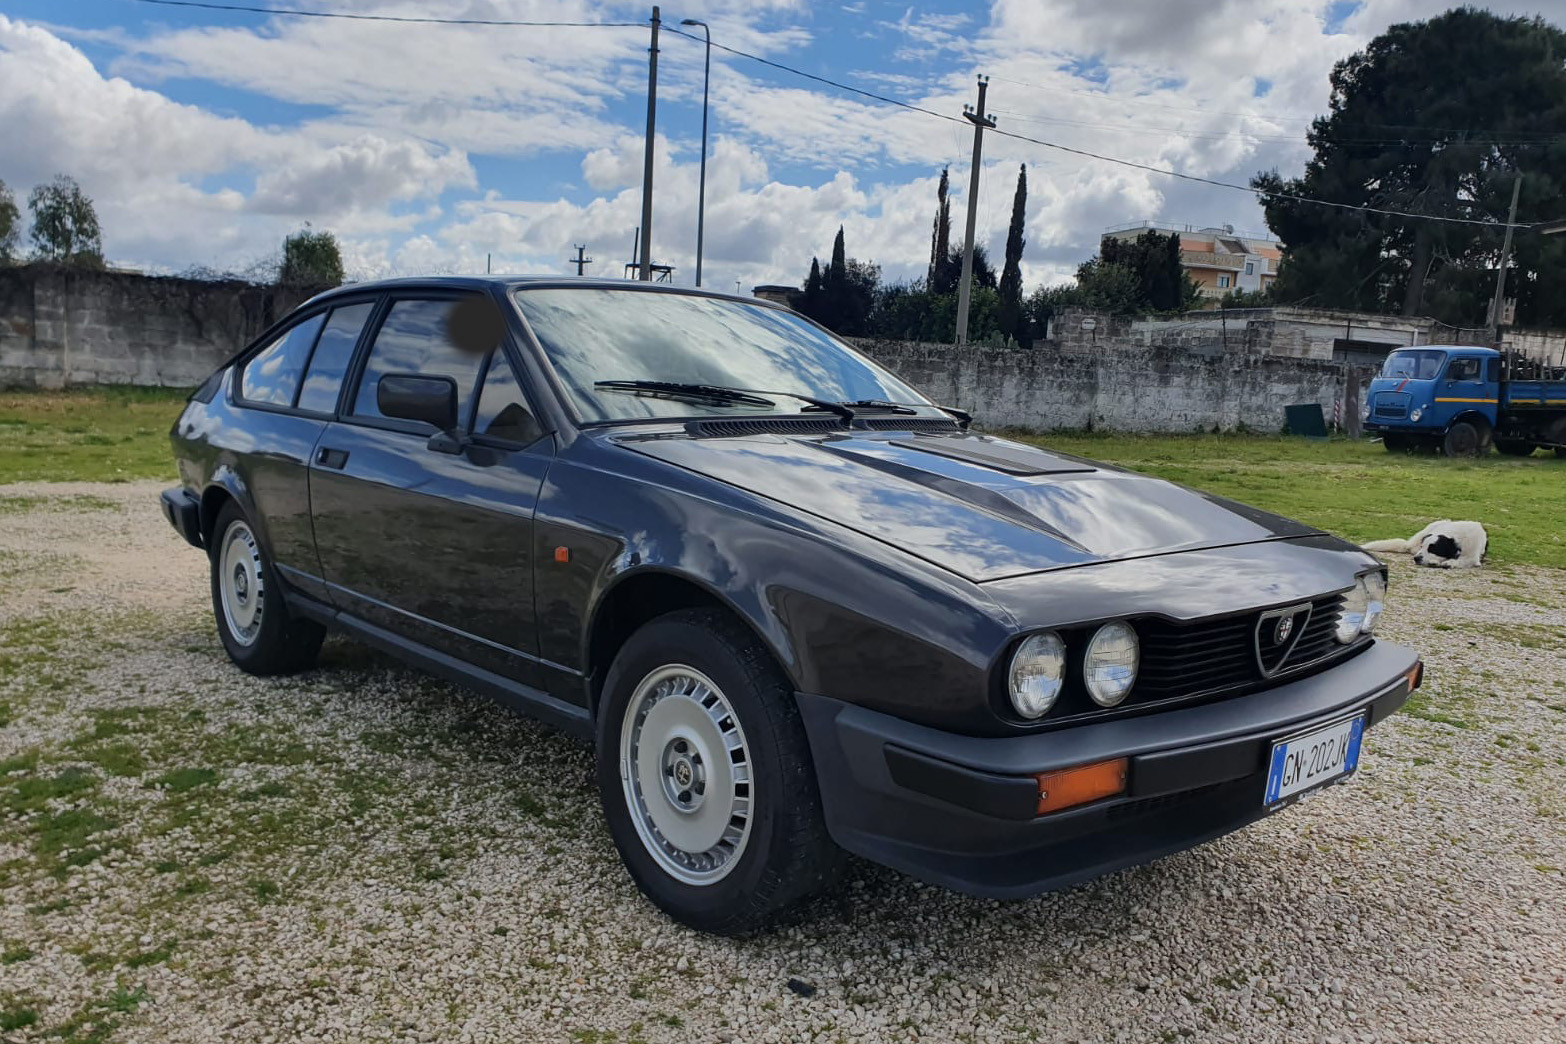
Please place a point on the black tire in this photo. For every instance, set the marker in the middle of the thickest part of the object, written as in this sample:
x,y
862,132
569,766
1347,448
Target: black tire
x,y
272,641
1396,443
786,855
1464,439
1560,452
1515,448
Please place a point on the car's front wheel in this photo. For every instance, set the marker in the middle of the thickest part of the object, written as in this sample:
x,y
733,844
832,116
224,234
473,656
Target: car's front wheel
x,y
706,777
1465,439
257,631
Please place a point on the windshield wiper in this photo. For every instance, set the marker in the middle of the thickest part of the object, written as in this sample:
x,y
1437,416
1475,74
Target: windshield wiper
x,y
717,393
712,393
962,417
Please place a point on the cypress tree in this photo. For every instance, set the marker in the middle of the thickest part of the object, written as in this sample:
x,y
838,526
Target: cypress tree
x,y
1010,313
940,237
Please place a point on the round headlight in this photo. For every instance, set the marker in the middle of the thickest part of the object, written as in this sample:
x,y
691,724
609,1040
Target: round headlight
x,y
1038,669
1375,601
1415,414
1356,604
1109,667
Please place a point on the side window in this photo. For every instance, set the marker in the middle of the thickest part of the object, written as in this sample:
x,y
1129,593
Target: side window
x,y
503,412
1466,369
272,374
413,339
329,362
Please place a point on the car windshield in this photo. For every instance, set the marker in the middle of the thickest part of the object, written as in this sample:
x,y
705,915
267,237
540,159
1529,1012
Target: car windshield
x,y
593,334
1419,365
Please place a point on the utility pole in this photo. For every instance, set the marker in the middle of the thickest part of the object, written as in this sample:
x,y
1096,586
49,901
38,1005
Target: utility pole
x,y
1498,305
645,273
981,123
701,193
580,260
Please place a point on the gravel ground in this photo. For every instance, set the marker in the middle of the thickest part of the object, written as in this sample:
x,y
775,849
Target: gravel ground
x,y
361,853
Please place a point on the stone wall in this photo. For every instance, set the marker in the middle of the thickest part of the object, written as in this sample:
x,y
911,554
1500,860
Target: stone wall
x,y
62,326
1117,385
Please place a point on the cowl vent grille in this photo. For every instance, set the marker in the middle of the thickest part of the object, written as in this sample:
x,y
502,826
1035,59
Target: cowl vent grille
x,y
934,424
728,429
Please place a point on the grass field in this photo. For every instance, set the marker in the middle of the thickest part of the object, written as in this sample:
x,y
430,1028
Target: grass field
x,y
109,434
1352,488
1357,489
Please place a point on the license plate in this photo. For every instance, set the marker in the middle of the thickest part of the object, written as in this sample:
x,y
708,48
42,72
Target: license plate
x,y
1314,758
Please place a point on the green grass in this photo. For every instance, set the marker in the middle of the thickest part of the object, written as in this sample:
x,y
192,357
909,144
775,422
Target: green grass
x,y
98,434
1356,489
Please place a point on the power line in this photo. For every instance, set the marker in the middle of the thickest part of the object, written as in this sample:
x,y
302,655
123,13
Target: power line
x,y
210,5
1270,117
1134,128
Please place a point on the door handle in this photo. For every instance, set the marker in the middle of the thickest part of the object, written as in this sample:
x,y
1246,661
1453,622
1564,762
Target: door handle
x,y
331,458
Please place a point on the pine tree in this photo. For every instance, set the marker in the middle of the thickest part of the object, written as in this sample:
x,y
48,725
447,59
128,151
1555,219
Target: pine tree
x,y
1010,317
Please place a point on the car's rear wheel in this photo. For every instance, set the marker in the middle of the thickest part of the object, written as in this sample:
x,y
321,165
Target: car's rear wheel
x,y
1515,447
705,775
255,626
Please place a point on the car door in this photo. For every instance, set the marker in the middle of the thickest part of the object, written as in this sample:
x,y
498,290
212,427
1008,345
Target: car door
x,y
1463,384
281,388
435,546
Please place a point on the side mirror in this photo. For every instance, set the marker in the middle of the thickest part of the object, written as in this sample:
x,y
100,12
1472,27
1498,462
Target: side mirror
x,y
414,397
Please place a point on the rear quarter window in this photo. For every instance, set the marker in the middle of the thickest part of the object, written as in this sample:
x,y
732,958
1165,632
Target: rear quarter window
x,y
272,374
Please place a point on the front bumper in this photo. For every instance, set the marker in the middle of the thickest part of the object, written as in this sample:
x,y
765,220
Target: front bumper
x,y
183,511
958,811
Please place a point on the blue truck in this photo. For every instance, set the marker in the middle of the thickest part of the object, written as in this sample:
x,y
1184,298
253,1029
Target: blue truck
x,y
1461,400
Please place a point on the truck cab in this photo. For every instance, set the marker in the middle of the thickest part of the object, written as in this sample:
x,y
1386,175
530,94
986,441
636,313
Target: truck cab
x,y
1444,397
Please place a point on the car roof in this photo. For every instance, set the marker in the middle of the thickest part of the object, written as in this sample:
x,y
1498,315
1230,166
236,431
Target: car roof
x,y
1481,349
510,282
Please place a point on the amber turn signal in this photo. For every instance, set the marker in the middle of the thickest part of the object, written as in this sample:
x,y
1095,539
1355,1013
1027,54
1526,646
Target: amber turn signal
x,y
1415,675
1070,787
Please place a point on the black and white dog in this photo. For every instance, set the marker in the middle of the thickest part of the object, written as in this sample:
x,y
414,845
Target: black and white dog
x,y
1441,545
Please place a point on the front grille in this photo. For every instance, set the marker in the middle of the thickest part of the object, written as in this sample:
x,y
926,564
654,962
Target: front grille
x,y
1391,409
1181,660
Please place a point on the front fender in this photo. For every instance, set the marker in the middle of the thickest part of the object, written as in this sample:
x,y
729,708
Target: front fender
x,y
844,615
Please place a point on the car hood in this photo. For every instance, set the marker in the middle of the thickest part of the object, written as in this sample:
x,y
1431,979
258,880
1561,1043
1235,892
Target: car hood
x,y
982,507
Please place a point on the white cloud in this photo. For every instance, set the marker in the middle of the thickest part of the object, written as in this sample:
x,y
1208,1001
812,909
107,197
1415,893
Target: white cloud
x,y
391,133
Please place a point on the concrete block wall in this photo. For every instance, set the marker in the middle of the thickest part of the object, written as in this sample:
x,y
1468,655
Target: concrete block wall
x,y
1119,386
63,326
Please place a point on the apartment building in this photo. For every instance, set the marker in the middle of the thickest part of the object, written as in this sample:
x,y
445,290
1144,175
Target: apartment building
x,y
1218,258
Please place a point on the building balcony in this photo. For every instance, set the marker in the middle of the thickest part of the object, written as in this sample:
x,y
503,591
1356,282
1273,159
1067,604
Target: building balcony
x,y
1209,259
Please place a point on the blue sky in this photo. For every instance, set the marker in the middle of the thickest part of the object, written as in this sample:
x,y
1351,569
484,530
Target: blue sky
x,y
206,136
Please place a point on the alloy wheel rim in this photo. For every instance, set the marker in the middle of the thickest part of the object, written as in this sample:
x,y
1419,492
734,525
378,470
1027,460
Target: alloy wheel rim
x,y
685,769
241,585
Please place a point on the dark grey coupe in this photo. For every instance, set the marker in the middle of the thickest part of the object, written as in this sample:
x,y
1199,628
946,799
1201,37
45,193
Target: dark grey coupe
x,y
797,607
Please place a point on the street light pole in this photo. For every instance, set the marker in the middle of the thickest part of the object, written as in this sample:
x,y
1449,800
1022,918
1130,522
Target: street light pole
x,y
701,193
